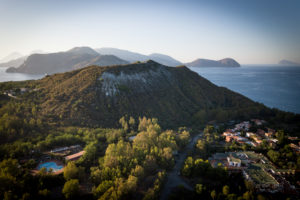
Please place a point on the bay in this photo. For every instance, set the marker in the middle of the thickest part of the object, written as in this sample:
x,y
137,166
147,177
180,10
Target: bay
x,y
4,76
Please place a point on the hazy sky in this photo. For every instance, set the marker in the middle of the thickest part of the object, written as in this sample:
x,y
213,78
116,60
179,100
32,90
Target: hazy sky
x,y
253,31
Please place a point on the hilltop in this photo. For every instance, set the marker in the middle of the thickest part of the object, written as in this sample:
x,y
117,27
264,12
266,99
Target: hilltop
x,y
99,96
226,62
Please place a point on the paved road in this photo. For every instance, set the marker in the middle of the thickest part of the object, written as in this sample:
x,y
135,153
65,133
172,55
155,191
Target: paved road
x,y
173,178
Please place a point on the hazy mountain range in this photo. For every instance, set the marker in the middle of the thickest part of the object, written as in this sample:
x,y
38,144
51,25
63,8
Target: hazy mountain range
x,y
79,57
75,58
133,57
14,62
12,56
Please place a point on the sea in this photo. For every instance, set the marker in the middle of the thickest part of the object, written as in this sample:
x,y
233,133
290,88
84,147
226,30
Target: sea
x,y
4,76
274,86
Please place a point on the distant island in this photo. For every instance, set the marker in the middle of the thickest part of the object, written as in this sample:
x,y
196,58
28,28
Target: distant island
x,y
226,62
288,62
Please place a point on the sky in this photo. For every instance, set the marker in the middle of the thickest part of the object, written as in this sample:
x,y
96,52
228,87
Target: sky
x,y
250,31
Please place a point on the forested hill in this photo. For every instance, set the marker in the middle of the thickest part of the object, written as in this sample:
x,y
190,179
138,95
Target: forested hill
x,y
99,96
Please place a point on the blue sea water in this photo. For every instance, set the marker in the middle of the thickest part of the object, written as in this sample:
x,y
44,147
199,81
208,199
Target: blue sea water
x,y
274,86
16,76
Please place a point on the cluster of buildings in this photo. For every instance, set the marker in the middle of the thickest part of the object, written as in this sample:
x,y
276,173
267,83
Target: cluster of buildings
x,y
55,159
295,144
70,153
255,168
295,147
14,93
250,138
64,149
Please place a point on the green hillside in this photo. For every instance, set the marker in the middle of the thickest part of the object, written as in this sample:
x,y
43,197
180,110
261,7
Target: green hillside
x,y
99,96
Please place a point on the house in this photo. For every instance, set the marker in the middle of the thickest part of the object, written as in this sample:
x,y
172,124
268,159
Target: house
x,y
75,156
258,122
258,141
243,126
241,140
251,143
131,138
233,162
272,143
229,138
268,134
23,90
271,131
292,138
249,134
295,147
260,132
227,133
61,149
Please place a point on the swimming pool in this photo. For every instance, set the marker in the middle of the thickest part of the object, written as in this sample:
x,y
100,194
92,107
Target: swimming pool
x,y
50,165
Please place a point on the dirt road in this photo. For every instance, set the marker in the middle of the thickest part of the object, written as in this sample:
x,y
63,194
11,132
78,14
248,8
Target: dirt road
x,y
173,176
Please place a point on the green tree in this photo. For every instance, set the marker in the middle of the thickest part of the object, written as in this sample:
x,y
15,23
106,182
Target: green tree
x,y
231,197
131,123
102,188
273,155
71,171
248,195
213,194
124,123
44,193
199,188
71,188
225,190
281,137
261,197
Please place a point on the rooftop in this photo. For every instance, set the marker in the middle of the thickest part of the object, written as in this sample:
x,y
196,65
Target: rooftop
x,y
76,155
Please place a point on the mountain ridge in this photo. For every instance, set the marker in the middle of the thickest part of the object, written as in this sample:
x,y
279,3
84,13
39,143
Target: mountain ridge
x,y
75,58
134,57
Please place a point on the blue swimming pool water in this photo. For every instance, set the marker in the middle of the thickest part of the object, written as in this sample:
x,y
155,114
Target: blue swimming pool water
x,y
50,165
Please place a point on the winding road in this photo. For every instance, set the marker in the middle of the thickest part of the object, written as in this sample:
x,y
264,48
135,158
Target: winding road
x,y
173,176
